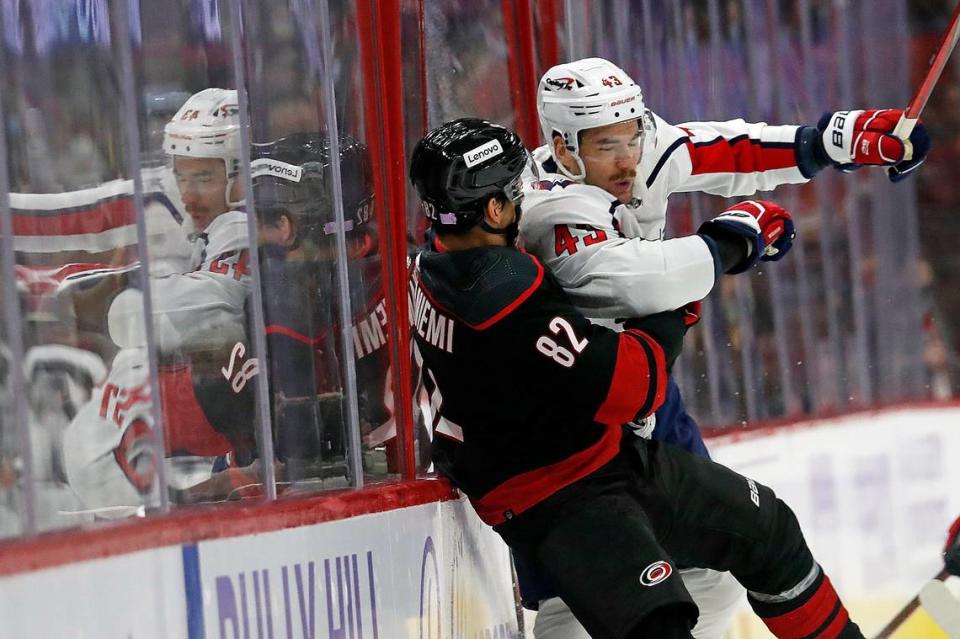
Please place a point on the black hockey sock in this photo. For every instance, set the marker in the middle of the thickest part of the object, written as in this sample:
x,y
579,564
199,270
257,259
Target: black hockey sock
x,y
814,612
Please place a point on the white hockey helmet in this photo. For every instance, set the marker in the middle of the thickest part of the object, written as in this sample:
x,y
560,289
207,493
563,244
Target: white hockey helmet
x,y
208,126
585,94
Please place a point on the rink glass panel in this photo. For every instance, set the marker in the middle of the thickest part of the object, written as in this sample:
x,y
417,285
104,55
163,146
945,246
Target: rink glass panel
x,y
849,319
70,167
290,86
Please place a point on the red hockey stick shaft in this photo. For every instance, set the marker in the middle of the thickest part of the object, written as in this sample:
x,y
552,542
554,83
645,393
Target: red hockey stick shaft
x,y
912,113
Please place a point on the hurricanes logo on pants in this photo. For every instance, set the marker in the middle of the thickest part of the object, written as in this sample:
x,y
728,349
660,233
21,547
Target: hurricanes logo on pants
x,y
655,573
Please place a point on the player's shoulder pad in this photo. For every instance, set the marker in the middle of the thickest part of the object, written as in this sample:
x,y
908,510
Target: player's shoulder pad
x,y
574,204
481,286
227,232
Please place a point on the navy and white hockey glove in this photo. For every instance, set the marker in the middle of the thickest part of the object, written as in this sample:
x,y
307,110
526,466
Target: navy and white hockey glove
x,y
852,139
767,228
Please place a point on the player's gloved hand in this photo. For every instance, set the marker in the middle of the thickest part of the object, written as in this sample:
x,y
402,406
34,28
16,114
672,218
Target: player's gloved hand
x,y
767,228
951,550
855,138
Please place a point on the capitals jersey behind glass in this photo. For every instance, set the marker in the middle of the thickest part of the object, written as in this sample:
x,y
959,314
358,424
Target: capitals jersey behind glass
x,y
612,258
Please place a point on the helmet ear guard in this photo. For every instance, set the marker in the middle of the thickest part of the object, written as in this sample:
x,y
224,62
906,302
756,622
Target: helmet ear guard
x,y
586,94
457,167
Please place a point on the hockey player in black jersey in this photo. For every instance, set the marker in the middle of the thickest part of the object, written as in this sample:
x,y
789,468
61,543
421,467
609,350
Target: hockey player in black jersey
x,y
531,399
296,226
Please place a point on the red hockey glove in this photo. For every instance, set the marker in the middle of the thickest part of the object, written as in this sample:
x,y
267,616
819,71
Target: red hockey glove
x,y
855,138
951,550
767,227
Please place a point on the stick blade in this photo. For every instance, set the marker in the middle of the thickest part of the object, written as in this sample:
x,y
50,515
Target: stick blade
x,y
942,606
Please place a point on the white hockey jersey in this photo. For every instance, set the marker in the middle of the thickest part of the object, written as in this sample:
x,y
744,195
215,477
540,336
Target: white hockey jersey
x,y
612,258
108,448
191,307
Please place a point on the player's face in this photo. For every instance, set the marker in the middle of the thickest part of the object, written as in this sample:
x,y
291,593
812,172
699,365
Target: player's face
x,y
610,156
203,188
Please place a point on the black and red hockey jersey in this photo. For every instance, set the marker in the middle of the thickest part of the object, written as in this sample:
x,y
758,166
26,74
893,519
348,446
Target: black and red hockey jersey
x,y
304,341
528,395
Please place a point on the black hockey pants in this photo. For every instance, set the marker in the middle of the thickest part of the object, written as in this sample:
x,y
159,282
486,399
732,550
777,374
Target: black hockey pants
x,y
611,542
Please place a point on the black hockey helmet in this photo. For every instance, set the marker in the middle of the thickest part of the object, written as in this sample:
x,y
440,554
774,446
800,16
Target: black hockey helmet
x,y
459,165
293,174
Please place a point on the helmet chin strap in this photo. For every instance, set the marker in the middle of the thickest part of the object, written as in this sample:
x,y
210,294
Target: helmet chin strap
x,y
576,158
226,196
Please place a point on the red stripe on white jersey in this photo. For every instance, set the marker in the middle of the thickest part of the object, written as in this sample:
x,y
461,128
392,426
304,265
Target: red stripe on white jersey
x,y
104,216
524,491
740,155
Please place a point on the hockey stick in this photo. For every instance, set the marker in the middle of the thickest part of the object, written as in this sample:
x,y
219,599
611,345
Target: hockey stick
x,y
942,606
907,610
912,113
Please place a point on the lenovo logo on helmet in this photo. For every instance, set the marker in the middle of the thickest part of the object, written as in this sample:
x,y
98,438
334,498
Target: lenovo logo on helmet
x,y
276,168
483,152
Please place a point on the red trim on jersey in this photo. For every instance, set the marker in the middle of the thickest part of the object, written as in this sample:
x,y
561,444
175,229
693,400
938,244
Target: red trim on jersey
x,y
193,524
278,329
104,216
630,386
739,155
524,491
811,616
517,302
660,358
503,312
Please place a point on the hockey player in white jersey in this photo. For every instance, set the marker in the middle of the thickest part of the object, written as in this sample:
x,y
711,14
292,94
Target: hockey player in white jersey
x,y
204,143
192,311
596,214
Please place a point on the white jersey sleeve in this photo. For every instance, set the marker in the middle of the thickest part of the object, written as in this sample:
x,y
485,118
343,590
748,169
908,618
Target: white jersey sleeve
x,y
575,230
189,307
732,158
612,258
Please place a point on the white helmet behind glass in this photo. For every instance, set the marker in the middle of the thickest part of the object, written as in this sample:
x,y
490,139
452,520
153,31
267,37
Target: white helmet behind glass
x,y
208,126
585,94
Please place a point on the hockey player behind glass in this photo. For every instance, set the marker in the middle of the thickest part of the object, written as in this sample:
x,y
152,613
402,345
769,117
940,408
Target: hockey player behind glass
x,y
199,322
296,228
596,215
531,399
